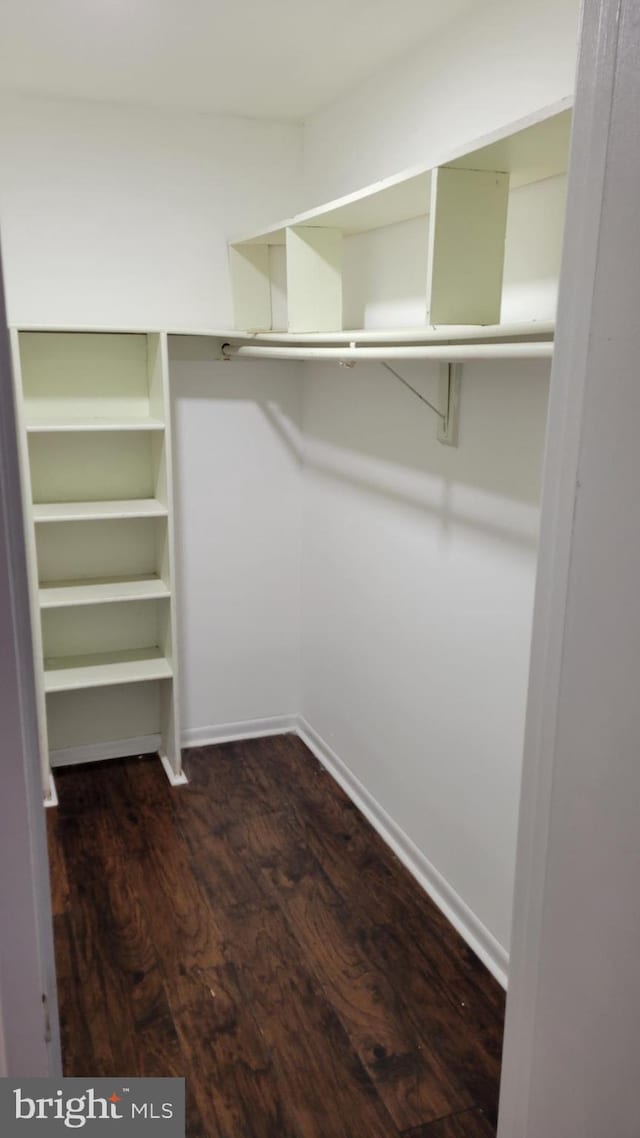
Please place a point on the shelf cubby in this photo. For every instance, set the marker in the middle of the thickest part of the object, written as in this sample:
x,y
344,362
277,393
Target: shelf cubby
x,y
462,198
95,442
82,629
89,378
90,467
95,550
107,721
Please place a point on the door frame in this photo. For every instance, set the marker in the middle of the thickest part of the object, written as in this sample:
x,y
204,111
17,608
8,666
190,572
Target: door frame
x,y
570,1065
29,1029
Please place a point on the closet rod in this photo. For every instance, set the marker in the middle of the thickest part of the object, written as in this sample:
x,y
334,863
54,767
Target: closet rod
x,y
435,333
454,353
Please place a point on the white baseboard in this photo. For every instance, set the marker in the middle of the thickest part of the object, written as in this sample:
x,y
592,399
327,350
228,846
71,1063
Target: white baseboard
x,y
98,752
235,732
476,935
483,943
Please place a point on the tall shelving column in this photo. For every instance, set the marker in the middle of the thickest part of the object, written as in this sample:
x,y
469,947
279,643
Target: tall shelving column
x,y
94,428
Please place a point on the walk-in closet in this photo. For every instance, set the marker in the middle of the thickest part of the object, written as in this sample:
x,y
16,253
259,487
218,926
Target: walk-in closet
x,y
282,295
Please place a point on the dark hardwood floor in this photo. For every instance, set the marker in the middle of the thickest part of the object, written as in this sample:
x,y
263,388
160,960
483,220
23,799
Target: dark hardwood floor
x,y
252,933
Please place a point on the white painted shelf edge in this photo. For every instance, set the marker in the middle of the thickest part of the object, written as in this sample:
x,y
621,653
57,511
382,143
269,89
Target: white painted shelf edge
x,y
68,425
104,669
68,594
425,334
98,511
428,334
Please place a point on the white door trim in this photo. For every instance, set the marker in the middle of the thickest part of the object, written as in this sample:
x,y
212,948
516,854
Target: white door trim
x,y
572,909
30,1042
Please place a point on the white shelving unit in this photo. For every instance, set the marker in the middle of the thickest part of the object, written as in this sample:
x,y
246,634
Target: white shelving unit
x,y
464,199
95,439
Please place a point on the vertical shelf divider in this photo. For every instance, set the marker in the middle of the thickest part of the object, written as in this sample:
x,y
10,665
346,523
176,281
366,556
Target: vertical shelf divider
x,y
48,784
251,286
160,404
467,227
314,278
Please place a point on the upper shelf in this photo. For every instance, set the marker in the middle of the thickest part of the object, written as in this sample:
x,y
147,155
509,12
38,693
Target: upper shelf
x,y
429,334
529,151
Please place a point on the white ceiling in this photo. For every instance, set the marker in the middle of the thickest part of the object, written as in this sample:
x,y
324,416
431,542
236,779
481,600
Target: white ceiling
x,y
262,58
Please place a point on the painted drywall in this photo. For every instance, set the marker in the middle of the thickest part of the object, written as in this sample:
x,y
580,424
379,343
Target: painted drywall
x,y
238,502
418,576
496,63
419,562
264,60
119,216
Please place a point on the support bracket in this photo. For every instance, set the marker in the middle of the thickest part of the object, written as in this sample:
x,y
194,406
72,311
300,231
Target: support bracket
x,y
448,410
449,400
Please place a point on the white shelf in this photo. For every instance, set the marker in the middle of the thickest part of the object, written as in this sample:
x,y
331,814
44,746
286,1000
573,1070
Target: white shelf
x,y
462,197
68,594
530,150
93,424
428,334
72,673
98,511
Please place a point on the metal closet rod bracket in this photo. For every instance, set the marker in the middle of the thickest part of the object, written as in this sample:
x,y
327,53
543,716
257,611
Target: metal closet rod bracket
x,y
448,388
448,398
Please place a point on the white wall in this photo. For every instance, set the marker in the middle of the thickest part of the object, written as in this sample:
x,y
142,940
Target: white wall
x,y
486,69
119,216
418,576
238,500
419,561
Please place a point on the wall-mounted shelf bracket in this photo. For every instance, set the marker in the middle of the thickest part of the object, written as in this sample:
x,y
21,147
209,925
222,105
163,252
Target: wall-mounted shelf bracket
x,y
448,398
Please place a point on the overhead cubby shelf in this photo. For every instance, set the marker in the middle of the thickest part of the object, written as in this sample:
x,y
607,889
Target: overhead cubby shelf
x,y
464,200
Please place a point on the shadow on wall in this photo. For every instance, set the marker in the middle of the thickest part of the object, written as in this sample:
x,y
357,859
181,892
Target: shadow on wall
x,y
362,427
238,494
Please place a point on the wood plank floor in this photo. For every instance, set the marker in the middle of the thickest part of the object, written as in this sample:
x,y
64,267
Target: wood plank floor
x,y
252,933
